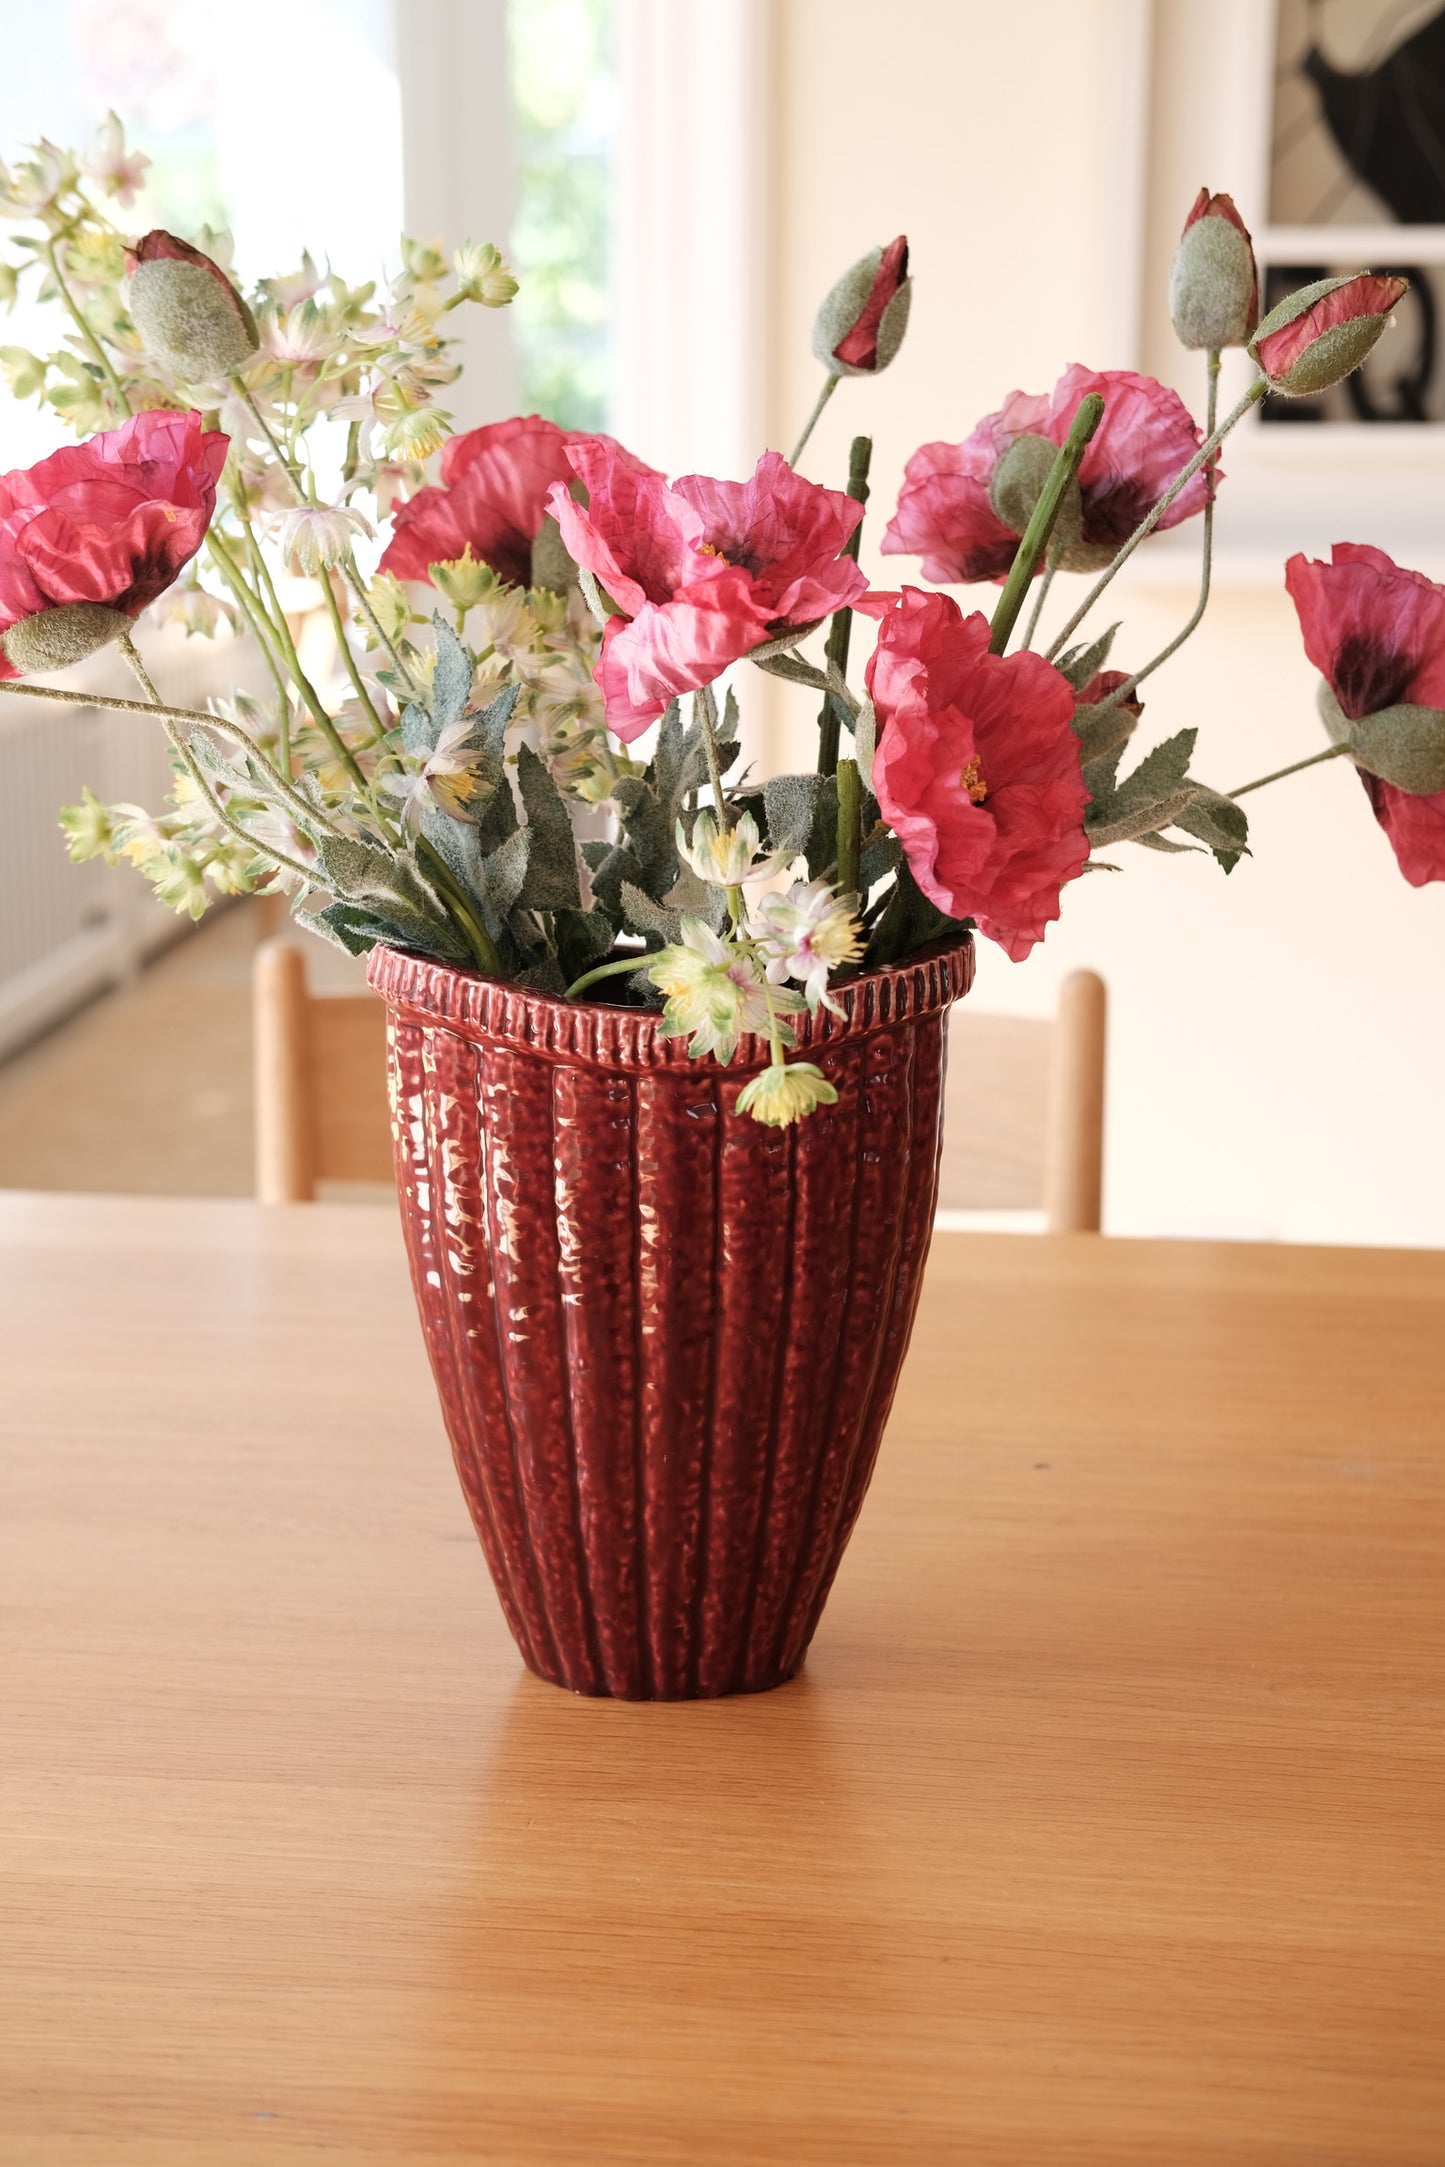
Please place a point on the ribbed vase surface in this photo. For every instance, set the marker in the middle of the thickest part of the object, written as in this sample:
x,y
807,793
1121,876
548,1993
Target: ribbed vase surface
x,y
665,1337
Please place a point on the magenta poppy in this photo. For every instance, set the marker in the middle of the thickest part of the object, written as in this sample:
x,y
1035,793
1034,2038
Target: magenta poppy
x,y
492,500
977,768
945,514
700,571
1376,633
111,521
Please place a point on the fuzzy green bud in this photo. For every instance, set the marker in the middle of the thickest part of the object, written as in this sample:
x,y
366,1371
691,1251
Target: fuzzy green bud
x,y
1319,335
53,639
191,317
860,326
1214,283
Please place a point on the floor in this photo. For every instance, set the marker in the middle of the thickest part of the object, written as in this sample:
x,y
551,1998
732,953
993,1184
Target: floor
x,y
147,1091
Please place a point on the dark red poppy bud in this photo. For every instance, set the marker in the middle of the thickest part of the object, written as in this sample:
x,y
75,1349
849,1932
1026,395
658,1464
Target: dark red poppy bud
x,y
860,326
1317,336
1214,283
191,317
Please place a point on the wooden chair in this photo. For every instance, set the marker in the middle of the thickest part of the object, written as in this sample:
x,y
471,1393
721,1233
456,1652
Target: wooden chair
x,y
321,1111
1023,1122
1023,1118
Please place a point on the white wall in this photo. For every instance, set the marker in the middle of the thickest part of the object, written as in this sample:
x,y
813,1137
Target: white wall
x,y
1278,1039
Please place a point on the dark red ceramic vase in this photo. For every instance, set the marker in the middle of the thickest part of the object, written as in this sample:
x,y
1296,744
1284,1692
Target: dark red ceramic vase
x,y
666,1338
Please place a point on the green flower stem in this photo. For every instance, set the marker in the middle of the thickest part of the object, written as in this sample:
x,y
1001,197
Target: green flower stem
x,y
1206,559
277,616
775,1036
890,927
292,470
1147,525
1042,520
262,631
439,873
850,825
830,385
860,458
737,909
1041,595
344,645
705,708
82,325
605,970
221,724
1332,752
227,818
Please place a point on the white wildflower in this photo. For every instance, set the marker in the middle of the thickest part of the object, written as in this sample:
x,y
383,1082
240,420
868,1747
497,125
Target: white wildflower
x,y
807,934
119,172
786,1092
714,992
484,275
725,856
318,535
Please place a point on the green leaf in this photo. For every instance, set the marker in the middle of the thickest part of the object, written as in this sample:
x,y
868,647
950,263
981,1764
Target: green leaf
x,y
451,683
648,826
793,668
500,878
1403,744
791,803
1149,798
551,881
1079,664
654,920
1103,729
583,938
1218,822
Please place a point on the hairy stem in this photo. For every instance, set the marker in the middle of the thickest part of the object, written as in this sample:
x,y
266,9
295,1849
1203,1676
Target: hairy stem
x,y
1041,595
1042,520
605,970
840,631
1147,525
1206,560
349,660
830,385
440,875
704,706
1296,767
82,324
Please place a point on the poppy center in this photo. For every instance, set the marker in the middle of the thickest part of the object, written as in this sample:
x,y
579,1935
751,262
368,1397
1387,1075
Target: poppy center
x,y
1367,677
970,780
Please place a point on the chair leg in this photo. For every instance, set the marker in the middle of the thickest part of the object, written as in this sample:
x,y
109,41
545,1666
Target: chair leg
x,y
1074,1151
285,1143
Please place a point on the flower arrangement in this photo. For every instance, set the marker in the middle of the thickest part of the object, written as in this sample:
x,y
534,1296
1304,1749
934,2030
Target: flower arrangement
x,y
525,759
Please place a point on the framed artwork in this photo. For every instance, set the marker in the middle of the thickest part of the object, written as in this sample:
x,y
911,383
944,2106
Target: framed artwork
x,y
1326,121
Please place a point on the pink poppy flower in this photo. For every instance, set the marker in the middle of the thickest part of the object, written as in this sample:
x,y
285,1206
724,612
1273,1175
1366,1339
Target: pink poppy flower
x,y
1318,335
977,769
1376,633
701,571
111,522
945,514
492,500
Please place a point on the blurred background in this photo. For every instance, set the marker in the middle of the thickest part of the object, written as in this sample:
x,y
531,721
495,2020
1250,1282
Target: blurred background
x,y
676,185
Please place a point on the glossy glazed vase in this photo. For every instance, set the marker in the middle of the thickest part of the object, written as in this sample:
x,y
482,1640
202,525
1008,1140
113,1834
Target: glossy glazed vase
x,y
665,1337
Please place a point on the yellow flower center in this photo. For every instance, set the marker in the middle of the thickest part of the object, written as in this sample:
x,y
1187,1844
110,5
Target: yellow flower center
x,y
706,549
970,779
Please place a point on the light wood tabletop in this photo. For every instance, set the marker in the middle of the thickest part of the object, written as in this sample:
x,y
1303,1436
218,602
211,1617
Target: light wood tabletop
x,y
1105,1824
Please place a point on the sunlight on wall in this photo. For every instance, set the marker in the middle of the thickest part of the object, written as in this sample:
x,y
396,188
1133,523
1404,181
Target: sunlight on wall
x,y
564,94
214,110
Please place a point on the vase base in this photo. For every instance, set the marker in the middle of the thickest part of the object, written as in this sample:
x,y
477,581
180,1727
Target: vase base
x,y
766,1684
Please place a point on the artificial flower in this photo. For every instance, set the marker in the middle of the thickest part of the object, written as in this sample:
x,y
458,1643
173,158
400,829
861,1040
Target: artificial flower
x,y
807,934
725,856
99,530
1376,633
317,535
714,992
483,275
977,769
1214,282
786,1092
121,173
701,571
491,503
186,309
860,326
946,514
1319,334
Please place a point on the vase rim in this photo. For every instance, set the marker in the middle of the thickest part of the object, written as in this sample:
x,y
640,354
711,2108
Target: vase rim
x,y
446,996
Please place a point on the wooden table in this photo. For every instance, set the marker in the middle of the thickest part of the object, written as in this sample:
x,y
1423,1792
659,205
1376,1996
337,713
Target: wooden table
x,y
1105,1825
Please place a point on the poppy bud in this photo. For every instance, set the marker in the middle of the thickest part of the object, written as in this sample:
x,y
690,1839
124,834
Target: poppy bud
x,y
53,639
860,326
186,309
1214,284
1017,483
1316,337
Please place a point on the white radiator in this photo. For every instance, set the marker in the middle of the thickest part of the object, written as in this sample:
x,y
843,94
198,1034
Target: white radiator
x,y
69,931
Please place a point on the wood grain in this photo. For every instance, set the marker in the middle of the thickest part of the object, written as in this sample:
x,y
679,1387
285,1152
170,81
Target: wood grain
x,y
1103,1825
